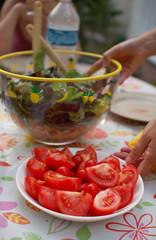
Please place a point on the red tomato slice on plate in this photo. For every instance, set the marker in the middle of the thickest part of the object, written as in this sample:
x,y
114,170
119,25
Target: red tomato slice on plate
x,y
87,154
103,175
56,160
106,202
64,171
35,168
73,203
91,188
60,182
115,163
46,198
66,151
40,153
126,194
128,175
32,185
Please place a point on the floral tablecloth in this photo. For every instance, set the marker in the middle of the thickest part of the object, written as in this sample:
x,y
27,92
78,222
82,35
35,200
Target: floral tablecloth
x,y
19,220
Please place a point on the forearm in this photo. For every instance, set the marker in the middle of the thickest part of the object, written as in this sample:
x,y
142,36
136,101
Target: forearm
x,y
148,43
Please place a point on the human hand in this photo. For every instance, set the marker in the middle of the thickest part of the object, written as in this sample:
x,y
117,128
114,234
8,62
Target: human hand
x,y
143,155
124,152
129,53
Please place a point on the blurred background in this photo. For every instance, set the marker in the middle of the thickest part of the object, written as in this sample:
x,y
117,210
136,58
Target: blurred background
x,y
105,23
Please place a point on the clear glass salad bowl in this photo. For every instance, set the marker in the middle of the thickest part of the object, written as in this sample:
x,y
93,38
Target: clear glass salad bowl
x,y
54,108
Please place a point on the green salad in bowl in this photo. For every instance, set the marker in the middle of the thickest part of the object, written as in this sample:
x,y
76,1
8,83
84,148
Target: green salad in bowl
x,y
54,107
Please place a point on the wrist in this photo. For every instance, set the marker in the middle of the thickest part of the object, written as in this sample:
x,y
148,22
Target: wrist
x,y
148,43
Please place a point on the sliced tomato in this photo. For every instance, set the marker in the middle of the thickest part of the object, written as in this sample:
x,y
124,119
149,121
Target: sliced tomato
x,y
128,175
66,151
32,185
73,203
56,160
106,202
46,198
103,175
81,172
126,194
77,160
60,182
87,154
35,168
90,163
113,161
40,153
91,188
64,171
39,183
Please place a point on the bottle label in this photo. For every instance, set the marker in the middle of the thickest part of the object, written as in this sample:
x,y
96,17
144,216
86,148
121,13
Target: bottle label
x,y
60,37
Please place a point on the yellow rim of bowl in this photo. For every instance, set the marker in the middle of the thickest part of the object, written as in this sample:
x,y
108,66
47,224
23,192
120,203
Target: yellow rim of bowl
x,y
31,78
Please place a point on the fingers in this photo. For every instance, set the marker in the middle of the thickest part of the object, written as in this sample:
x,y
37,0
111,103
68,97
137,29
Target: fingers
x,y
143,155
149,159
120,155
95,67
126,149
138,150
123,76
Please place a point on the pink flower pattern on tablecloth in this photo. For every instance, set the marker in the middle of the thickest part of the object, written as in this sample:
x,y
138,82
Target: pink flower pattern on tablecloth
x,y
134,229
4,205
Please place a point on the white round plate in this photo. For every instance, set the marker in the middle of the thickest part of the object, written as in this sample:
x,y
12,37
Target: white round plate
x,y
135,106
138,192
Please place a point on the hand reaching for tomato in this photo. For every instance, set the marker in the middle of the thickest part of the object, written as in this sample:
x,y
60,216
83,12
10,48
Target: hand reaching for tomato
x,y
78,184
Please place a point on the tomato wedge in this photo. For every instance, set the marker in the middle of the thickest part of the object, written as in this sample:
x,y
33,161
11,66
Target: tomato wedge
x,y
46,198
87,154
56,160
128,175
91,188
106,202
66,151
113,161
32,185
60,182
73,203
103,175
40,153
35,168
126,194
64,171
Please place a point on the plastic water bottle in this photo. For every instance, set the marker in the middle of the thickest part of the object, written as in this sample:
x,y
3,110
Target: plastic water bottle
x,y
63,28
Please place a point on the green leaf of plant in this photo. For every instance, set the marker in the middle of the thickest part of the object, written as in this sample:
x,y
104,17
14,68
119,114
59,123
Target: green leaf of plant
x,y
83,233
147,204
138,206
32,236
56,86
7,178
72,93
39,60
